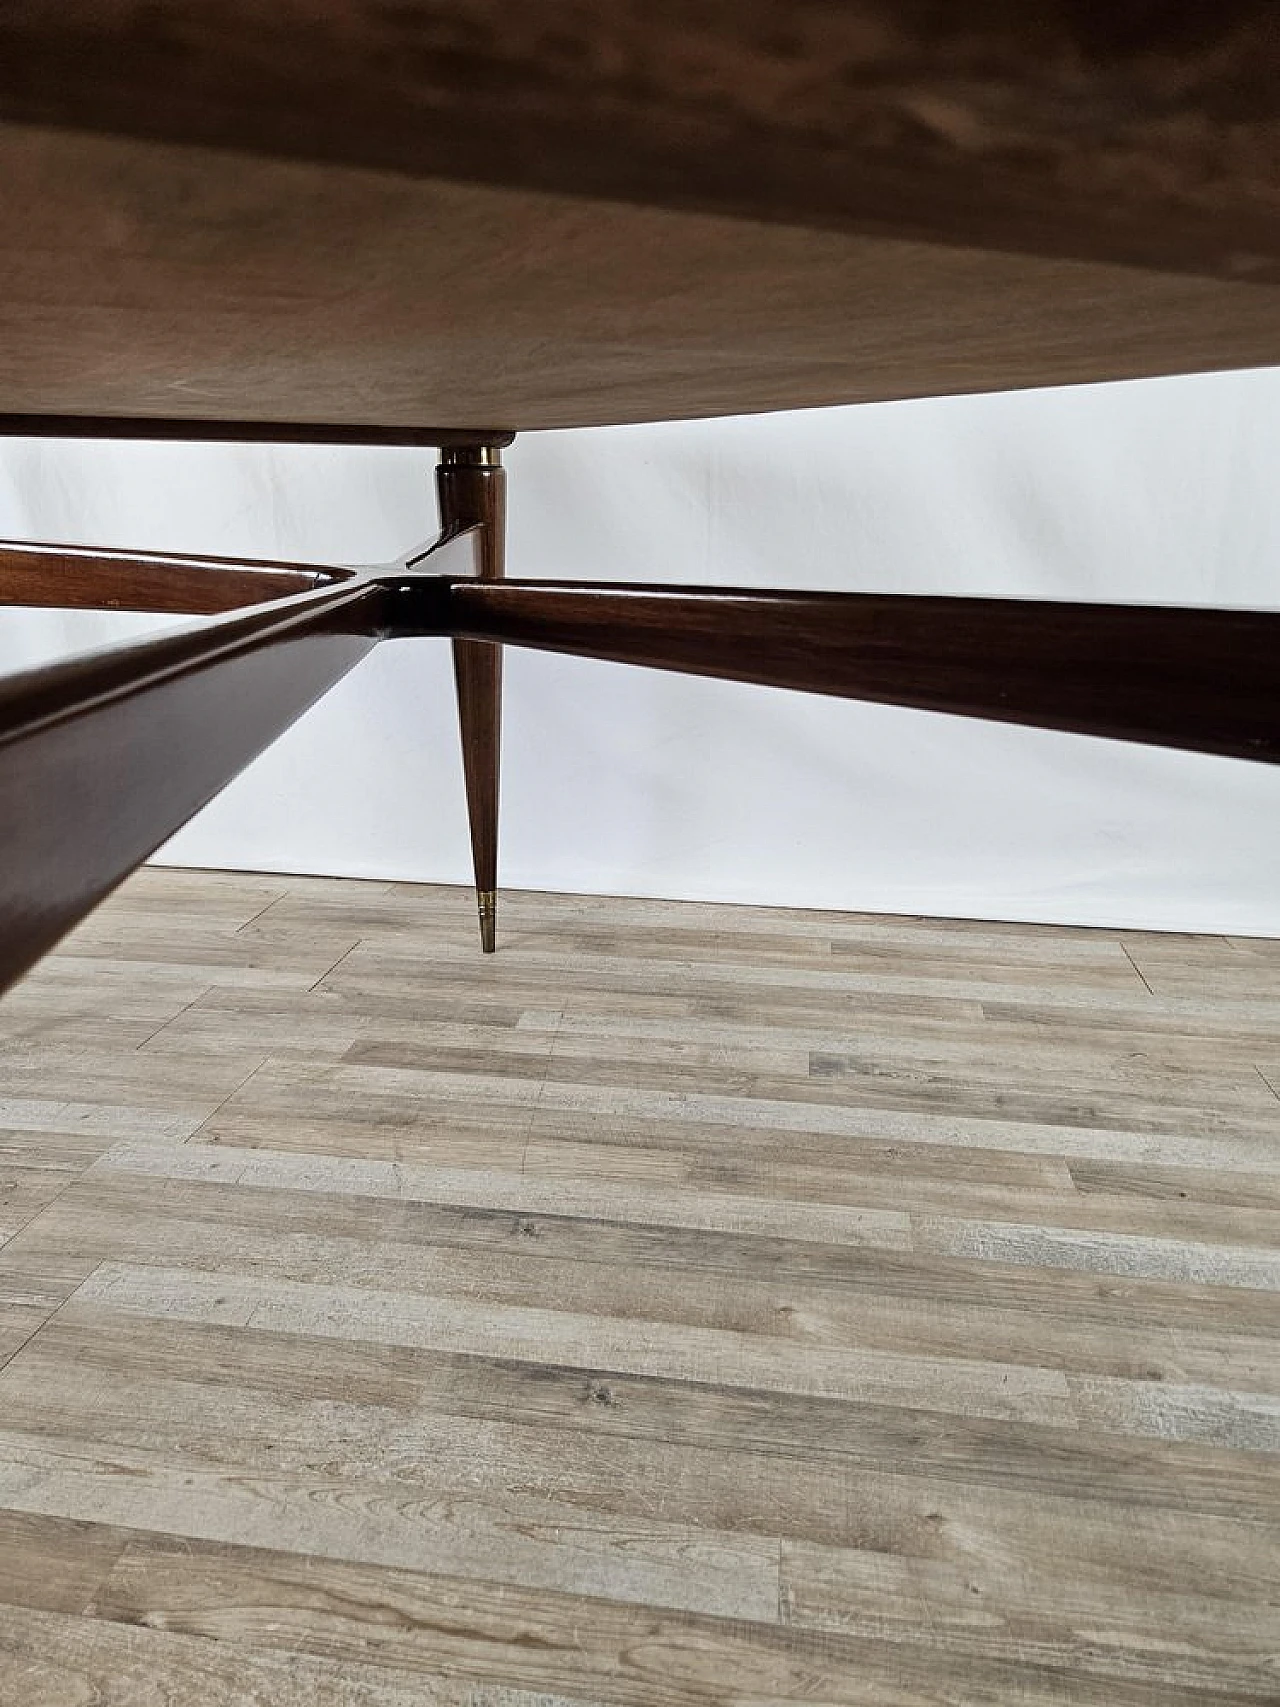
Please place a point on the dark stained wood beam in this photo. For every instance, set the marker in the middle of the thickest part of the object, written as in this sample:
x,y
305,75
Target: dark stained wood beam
x,y
1205,680
1128,130
70,577
104,757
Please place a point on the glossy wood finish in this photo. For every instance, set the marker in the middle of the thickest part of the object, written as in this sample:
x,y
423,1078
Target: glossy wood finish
x,y
102,758
1205,680
146,280
472,492
1131,131
691,1307
70,577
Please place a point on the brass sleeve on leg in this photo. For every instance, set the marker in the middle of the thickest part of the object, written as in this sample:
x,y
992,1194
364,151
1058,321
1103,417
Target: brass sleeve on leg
x,y
487,906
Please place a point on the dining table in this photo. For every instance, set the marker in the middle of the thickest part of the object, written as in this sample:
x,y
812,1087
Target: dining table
x,y
404,222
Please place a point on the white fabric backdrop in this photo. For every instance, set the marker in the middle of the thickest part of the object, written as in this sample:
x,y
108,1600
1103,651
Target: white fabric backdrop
x,y
627,781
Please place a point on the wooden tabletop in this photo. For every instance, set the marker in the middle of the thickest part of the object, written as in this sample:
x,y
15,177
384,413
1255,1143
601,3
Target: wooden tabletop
x,y
557,214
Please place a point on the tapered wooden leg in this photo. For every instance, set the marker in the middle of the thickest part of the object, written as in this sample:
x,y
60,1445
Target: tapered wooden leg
x,y
472,489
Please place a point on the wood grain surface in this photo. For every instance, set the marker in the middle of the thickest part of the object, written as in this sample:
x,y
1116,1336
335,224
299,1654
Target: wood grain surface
x,y
1133,130
1202,679
686,1305
183,283
105,756
69,577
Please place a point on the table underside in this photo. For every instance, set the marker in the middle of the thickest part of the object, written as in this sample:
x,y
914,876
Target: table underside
x,y
144,280
468,214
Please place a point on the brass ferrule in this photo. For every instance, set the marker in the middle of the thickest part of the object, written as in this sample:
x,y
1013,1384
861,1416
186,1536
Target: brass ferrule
x,y
487,906
471,456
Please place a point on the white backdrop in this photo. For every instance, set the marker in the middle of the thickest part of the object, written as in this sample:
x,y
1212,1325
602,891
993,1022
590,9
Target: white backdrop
x,y
626,781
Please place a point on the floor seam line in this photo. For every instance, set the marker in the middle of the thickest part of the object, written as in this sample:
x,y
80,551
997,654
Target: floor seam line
x,y
328,973
58,1307
1137,969
537,1101
253,919
235,1091
185,1008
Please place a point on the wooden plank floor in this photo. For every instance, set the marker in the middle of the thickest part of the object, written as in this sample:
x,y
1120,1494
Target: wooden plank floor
x,y
687,1305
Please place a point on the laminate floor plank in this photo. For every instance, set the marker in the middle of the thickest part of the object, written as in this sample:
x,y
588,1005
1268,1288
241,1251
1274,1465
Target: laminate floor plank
x,y
52,1660
971,1387
417,1622
68,1029
740,1284
626,1226
54,1564
1122,1048
1242,1028
336,1095
884,1075
688,1306
271,1462
142,976
795,1434
994,1605
850,1174
1201,1185
195,1083
421,1523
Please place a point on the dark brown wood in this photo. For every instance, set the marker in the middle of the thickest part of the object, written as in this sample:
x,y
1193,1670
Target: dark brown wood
x,y
162,429
473,493
943,199
1130,130
1205,680
71,578
150,280
102,758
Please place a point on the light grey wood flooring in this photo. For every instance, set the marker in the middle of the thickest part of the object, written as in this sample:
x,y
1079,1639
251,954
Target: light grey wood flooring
x,y
686,1305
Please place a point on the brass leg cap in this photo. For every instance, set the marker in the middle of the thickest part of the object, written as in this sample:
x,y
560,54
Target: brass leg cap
x,y
487,905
